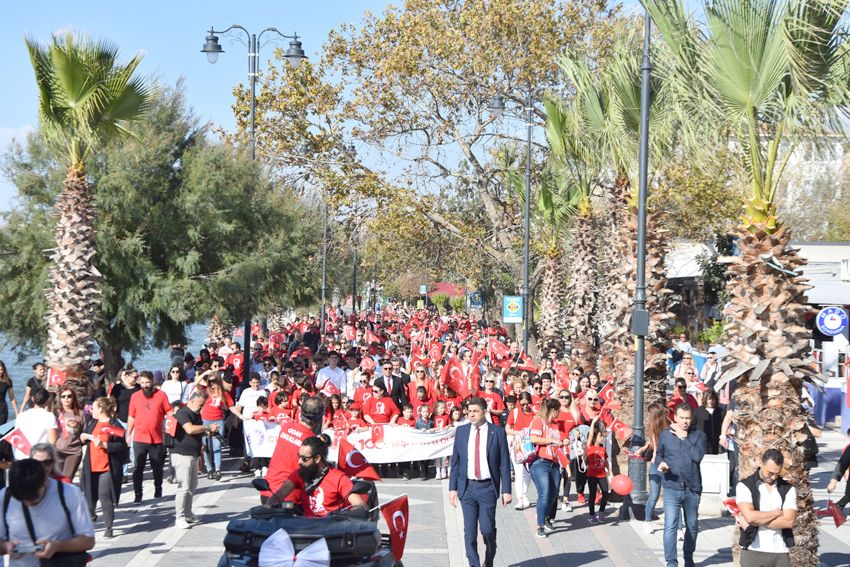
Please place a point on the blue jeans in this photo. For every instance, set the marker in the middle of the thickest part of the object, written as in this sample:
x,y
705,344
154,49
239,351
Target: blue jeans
x,y
216,445
654,491
688,501
132,462
546,475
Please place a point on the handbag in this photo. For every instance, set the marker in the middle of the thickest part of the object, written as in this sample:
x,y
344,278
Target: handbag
x,y
59,559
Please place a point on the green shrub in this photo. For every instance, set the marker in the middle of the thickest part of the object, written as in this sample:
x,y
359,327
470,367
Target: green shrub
x,y
713,334
458,303
440,299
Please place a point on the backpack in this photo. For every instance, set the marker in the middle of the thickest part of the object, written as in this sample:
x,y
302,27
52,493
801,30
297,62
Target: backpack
x,y
523,449
578,442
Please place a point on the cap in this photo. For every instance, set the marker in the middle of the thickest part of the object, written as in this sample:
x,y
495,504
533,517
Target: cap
x,y
355,405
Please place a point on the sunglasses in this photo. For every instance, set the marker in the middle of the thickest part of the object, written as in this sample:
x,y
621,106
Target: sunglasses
x,y
770,474
682,387
592,399
377,391
536,388
420,372
66,396
489,381
305,458
175,371
563,397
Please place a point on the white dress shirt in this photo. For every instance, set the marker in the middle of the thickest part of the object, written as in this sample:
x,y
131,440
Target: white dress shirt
x,y
482,455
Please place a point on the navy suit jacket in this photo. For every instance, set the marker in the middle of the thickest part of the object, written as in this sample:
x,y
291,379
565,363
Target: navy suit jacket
x,y
498,456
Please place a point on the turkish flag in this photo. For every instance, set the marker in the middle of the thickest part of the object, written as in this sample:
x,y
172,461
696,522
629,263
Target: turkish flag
x,y
171,425
329,389
303,351
112,430
563,460
732,506
415,361
367,363
353,463
613,405
19,441
498,349
276,338
349,332
634,456
606,417
435,351
452,376
622,430
377,434
562,377
415,350
332,314
461,336
504,363
370,336
475,373
55,377
396,514
700,386
238,333
606,394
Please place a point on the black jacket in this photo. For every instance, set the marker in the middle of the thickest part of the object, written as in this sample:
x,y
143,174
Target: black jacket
x,y
118,453
709,424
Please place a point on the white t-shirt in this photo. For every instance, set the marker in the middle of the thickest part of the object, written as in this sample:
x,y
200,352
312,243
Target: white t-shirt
x,y
34,424
768,540
48,519
174,390
248,400
336,377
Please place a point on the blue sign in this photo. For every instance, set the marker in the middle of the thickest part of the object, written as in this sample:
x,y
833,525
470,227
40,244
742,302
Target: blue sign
x,y
512,309
475,300
832,321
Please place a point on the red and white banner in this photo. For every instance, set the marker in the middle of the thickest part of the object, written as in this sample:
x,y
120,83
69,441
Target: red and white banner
x,y
394,444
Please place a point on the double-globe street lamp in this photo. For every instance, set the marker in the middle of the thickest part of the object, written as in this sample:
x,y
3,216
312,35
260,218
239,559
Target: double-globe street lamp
x,y
254,42
497,107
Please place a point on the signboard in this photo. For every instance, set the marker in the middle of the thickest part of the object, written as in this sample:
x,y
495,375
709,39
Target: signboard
x,y
475,300
420,304
423,289
512,309
832,321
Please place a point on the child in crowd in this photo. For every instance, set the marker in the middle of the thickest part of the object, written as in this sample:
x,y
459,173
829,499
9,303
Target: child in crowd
x,y
281,408
356,422
598,470
406,420
169,442
441,421
424,423
262,413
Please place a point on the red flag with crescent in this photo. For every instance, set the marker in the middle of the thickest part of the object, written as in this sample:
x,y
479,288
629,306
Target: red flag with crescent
x,y
238,333
19,441
562,377
55,377
396,514
171,425
622,430
606,394
329,389
732,505
834,512
255,329
303,352
498,349
353,463
435,351
377,434
367,363
452,376
112,430
370,336
349,333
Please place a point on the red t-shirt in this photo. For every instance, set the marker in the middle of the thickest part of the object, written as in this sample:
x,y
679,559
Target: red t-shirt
x,y
148,415
262,416
215,405
535,403
540,428
355,422
675,401
441,421
235,360
566,422
494,402
404,422
412,387
285,457
362,394
381,411
278,411
98,456
596,458
451,402
519,420
416,402
330,495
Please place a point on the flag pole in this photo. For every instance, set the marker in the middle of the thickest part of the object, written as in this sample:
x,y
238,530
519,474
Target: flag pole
x,y
388,502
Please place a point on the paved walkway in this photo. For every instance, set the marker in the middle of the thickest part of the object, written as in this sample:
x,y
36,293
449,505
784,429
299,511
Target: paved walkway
x,y
145,535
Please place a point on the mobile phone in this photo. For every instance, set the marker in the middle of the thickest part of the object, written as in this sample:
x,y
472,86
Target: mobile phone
x,y
38,548
663,470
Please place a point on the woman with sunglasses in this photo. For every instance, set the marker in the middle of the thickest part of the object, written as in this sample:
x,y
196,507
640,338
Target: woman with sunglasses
x,y
680,394
519,419
656,423
421,378
364,387
495,404
545,471
212,413
175,384
568,418
687,363
72,421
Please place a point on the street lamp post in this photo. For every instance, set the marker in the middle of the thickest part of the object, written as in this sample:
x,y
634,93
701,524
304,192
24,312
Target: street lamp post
x,y
254,42
640,315
497,106
354,284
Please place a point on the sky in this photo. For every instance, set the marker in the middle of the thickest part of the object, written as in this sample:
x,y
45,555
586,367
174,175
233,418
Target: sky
x,y
171,34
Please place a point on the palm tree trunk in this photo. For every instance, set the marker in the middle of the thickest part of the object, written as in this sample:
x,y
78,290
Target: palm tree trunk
x,y
550,327
75,297
583,294
767,326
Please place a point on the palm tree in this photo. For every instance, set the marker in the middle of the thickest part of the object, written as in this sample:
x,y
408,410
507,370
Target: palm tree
x,y
85,94
605,127
771,74
570,154
554,206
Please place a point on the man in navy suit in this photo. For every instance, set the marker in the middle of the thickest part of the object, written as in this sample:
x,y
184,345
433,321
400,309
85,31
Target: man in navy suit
x,y
480,472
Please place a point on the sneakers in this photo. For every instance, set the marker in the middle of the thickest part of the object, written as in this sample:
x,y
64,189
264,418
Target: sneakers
x,y
218,475
565,506
193,519
157,493
265,471
107,534
647,528
258,473
593,520
210,474
138,500
522,504
424,477
406,476
600,517
681,536
581,499
181,524
171,479
547,525
541,532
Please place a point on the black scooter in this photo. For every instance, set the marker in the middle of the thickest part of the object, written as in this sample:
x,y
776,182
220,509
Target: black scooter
x,y
353,537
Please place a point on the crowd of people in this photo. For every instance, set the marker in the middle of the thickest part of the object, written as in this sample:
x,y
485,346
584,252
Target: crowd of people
x,y
402,367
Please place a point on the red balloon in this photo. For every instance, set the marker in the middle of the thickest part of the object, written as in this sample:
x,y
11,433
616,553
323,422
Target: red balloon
x,y
622,484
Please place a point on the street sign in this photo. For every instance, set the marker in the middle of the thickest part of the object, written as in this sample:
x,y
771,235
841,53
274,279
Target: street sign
x,y
832,321
512,309
420,304
475,300
423,289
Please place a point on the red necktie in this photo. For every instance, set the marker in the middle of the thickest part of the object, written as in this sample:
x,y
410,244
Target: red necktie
x,y
477,451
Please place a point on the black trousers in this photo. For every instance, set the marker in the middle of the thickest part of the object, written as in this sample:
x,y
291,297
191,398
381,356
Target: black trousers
x,y
593,483
156,452
100,484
